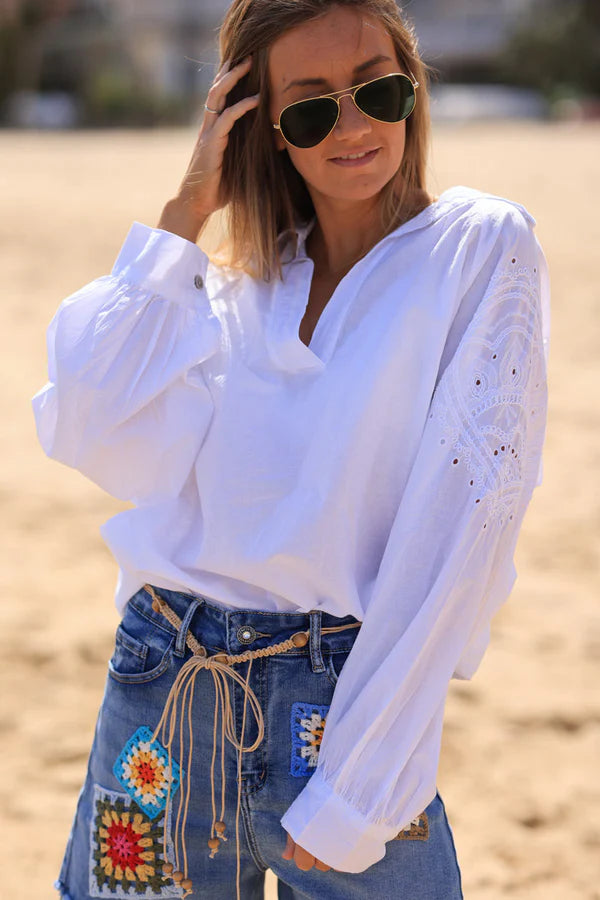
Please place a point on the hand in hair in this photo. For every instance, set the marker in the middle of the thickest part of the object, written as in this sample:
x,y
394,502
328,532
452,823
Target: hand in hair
x,y
200,194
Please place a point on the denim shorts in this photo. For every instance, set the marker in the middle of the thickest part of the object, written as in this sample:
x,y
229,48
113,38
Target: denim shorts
x,y
125,824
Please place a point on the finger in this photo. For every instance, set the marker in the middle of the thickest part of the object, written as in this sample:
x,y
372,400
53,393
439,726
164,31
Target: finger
x,y
322,866
227,79
216,99
289,848
229,116
303,859
224,68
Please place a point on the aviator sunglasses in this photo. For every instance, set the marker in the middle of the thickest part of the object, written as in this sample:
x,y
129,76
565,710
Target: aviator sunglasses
x,y
389,98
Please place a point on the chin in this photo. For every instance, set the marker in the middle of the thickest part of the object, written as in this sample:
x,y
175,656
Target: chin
x,y
346,189
355,195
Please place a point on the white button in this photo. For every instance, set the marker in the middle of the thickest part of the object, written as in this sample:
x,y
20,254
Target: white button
x,y
198,282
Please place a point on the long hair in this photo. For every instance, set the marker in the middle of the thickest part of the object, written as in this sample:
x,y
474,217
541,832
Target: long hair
x,y
265,195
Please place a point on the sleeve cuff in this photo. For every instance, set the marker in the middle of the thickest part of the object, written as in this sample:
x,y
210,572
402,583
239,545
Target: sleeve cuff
x,y
163,263
333,831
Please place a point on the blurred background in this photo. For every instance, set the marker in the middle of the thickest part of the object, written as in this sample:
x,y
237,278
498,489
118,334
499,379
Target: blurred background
x,y
100,101
69,63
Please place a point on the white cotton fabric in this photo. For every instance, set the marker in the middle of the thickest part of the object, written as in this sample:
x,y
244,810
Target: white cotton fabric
x,y
382,472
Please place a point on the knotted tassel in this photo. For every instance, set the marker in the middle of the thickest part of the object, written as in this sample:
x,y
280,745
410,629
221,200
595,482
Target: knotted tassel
x,y
182,692
183,687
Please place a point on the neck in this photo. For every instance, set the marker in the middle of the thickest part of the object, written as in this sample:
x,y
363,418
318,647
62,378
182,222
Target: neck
x,y
342,236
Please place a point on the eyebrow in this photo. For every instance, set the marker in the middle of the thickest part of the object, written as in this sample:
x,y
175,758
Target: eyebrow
x,y
305,82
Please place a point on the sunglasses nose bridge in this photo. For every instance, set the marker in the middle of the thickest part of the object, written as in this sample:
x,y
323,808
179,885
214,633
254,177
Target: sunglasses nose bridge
x,y
349,93
352,95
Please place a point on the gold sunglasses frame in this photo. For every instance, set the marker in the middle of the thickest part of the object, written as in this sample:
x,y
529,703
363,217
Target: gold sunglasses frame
x,y
337,96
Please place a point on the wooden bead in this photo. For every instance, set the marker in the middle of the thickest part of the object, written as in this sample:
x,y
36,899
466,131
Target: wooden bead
x,y
214,843
220,827
186,884
156,605
167,868
177,876
299,639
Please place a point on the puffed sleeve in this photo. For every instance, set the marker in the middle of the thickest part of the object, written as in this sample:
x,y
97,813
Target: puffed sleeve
x,y
446,568
126,403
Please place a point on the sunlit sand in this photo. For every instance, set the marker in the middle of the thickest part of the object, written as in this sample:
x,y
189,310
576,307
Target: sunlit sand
x,y
520,745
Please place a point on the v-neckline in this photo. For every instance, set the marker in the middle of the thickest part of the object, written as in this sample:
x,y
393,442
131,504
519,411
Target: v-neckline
x,y
318,351
290,304
324,290
293,353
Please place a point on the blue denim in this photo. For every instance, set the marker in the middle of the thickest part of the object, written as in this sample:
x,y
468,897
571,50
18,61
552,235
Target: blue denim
x,y
115,845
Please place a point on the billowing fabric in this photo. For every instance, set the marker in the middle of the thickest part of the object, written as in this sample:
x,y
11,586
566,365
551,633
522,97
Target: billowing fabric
x,y
382,472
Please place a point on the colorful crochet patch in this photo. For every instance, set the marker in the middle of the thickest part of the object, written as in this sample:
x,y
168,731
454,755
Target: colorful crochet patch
x,y
142,768
418,830
308,723
126,850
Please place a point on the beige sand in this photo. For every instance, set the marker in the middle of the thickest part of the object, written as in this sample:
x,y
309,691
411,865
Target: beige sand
x,y
520,740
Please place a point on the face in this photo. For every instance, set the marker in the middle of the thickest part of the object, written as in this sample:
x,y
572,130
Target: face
x,y
328,51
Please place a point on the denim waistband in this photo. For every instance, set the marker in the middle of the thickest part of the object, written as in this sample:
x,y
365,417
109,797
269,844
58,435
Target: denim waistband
x,y
234,631
220,638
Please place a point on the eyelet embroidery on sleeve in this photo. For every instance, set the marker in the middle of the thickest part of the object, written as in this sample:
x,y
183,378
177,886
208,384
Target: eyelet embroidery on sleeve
x,y
488,398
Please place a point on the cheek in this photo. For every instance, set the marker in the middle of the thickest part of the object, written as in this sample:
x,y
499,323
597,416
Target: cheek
x,y
305,162
398,139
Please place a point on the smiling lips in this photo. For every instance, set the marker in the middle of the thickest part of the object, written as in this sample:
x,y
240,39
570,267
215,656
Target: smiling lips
x,y
355,159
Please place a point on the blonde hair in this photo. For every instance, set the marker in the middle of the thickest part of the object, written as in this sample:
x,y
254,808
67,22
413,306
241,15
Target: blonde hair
x,y
265,195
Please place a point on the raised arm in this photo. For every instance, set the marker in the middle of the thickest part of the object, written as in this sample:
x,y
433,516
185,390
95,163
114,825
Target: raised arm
x,y
126,402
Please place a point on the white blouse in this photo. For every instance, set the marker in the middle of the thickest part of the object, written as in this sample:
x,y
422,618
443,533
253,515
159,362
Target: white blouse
x,y
383,471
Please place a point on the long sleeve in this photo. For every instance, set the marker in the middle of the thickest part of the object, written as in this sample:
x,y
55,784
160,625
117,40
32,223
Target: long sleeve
x,y
125,381
446,568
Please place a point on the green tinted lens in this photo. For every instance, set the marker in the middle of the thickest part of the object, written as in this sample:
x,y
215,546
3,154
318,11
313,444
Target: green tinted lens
x,y
388,99
307,123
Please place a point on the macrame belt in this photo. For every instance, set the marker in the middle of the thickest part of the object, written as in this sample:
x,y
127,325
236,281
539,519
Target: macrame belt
x,y
179,701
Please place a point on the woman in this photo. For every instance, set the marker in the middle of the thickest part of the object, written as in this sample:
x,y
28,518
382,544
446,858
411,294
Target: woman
x,y
330,441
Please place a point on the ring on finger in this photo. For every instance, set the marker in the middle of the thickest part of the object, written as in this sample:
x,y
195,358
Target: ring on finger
x,y
212,110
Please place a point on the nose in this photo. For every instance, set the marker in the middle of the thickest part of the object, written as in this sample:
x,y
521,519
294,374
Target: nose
x,y
352,122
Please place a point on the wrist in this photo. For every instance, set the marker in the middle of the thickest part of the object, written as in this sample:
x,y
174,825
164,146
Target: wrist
x,y
177,218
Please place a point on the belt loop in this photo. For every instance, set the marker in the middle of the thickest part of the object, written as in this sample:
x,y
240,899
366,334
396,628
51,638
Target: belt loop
x,y
316,657
185,624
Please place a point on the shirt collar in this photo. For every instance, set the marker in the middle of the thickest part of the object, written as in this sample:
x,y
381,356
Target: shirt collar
x,y
447,201
303,229
286,241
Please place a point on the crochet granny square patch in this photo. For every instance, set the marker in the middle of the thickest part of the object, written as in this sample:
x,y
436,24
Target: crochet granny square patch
x,y
142,767
126,847
307,724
